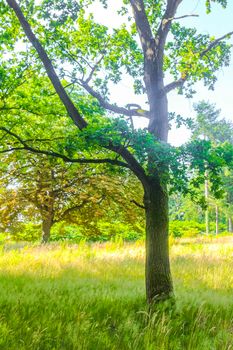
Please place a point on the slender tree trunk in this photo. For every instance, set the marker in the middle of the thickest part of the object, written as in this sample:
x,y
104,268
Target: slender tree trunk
x,y
207,210
158,276
47,223
230,226
216,220
207,221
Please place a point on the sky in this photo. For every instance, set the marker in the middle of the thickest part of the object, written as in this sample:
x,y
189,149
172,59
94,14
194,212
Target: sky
x,y
218,23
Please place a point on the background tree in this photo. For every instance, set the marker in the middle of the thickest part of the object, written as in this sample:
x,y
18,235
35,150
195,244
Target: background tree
x,y
72,37
227,202
59,192
210,126
53,193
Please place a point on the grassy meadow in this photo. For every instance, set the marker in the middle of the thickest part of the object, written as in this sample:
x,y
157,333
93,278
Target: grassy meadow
x,y
71,297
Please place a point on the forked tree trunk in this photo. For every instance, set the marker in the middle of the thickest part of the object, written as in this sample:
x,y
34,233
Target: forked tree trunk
x,y
47,223
158,275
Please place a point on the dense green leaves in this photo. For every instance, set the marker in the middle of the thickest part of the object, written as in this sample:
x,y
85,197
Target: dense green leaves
x,y
87,53
186,57
183,168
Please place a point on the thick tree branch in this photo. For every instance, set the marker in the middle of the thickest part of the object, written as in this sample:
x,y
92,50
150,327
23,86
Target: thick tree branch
x,y
164,29
132,162
71,109
175,84
111,107
142,23
65,158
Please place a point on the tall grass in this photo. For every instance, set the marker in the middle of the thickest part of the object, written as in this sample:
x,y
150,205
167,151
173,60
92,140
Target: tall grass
x,y
92,297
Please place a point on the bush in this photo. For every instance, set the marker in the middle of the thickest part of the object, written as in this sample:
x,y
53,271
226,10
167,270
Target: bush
x,y
185,228
29,232
116,231
191,228
101,231
62,232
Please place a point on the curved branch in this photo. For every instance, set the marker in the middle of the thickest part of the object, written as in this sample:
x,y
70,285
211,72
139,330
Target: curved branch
x,y
93,69
137,204
70,210
132,162
215,43
111,107
180,82
184,16
175,84
65,158
68,159
70,107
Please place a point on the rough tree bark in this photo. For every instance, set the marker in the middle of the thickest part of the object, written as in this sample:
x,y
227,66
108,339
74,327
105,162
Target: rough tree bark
x,y
158,275
159,284
47,223
44,199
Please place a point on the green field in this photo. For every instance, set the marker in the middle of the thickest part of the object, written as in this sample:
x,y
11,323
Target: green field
x,y
92,297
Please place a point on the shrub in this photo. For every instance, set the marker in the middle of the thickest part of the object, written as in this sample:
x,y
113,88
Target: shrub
x,y
28,231
191,228
65,232
186,228
117,230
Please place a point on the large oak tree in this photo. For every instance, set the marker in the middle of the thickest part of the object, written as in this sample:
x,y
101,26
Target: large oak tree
x,y
72,46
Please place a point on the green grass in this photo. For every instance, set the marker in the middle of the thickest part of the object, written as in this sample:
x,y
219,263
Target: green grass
x,y
92,297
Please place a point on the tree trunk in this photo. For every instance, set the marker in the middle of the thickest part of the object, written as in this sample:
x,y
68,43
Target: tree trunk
x,y
47,223
158,125
207,209
207,221
230,226
158,276
216,220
